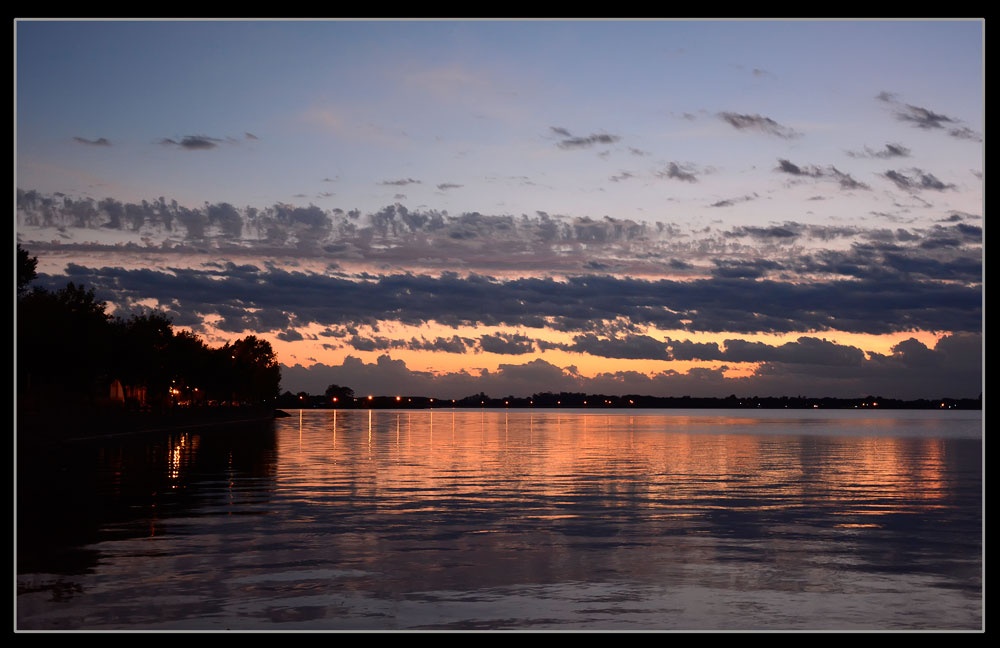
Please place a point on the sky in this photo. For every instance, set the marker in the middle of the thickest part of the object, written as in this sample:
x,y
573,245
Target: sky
x,y
447,207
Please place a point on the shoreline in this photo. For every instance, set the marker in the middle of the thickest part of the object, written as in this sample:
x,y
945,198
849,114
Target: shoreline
x,y
34,428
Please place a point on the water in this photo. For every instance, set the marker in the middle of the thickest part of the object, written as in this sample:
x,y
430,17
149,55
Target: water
x,y
540,520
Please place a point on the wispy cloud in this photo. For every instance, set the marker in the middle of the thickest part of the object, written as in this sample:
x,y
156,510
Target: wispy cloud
x,y
193,142
917,181
570,141
675,171
889,151
100,141
729,202
402,182
811,171
927,119
741,121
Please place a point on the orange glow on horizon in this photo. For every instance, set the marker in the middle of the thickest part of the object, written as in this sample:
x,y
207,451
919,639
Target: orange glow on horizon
x,y
317,348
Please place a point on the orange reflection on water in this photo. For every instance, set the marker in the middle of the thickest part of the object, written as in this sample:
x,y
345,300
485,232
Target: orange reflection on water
x,y
178,451
674,465
875,476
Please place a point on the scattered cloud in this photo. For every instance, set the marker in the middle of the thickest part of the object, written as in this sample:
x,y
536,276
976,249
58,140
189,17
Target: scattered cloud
x,y
873,282
193,142
570,141
100,141
927,119
844,180
400,183
917,181
741,121
888,151
729,202
677,172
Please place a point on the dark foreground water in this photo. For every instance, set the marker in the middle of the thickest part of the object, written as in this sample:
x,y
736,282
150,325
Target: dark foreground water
x,y
544,520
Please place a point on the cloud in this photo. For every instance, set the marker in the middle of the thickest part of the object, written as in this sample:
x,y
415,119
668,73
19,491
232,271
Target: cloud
x,y
446,186
888,292
787,167
806,350
767,125
964,132
844,180
809,367
193,142
370,343
765,233
506,343
544,285
890,151
688,350
676,172
729,202
100,141
633,346
569,141
400,183
927,119
922,117
453,344
741,269
919,181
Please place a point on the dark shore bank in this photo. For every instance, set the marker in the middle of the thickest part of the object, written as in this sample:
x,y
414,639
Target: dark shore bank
x,y
36,428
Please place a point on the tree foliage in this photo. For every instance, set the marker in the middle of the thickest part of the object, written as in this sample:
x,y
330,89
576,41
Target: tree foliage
x,y
69,350
26,270
341,393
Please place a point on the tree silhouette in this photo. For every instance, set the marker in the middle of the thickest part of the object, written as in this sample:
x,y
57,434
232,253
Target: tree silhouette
x,y
140,354
26,270
69,351
338,392
256,373
62,343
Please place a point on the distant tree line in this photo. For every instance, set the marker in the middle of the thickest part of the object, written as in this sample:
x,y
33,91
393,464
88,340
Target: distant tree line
x,y
70,353
340,397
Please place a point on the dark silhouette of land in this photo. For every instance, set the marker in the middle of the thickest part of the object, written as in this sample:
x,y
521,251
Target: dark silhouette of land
x,y
604,401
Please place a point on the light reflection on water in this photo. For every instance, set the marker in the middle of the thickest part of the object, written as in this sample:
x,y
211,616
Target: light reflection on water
x,y
506,520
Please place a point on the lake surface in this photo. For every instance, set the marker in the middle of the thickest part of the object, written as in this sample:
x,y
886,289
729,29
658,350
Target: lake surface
x,y
526,520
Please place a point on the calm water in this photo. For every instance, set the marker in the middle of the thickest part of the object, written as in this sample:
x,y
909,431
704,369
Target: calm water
x,y
544,520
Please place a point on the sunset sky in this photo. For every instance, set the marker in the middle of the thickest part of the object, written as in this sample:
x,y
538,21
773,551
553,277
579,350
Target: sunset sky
x,y
443,207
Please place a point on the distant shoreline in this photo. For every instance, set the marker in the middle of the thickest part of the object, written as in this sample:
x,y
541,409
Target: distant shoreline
x,y
35,428
599,401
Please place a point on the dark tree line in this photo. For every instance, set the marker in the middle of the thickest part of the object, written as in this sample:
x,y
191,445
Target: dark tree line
x,y
69,352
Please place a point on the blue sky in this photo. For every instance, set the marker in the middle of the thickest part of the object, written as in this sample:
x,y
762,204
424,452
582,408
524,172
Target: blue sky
x,y
699,149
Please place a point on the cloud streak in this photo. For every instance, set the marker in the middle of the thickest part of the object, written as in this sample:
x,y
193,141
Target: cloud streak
x,y
753,122
570,141
193,142
100,141
927,119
